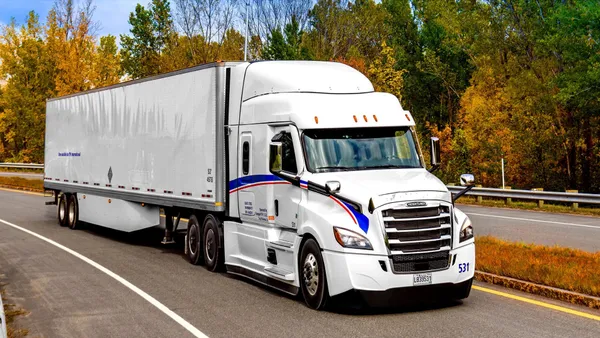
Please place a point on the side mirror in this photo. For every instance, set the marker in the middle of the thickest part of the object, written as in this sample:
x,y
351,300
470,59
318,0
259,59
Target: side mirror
x,y
275,156
435,158
333,187
467,180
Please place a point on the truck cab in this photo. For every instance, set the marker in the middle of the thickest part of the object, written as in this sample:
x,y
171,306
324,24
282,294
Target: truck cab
x,y
328,192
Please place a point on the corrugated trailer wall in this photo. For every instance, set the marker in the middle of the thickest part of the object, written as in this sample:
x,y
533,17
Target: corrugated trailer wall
x,y
155,140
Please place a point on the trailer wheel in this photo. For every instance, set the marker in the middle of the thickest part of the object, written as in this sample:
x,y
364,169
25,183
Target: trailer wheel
x,y
62,210
313,280
193,241
73,212
213,254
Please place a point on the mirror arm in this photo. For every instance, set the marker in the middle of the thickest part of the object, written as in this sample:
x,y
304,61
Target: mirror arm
x,y
433,168
461,193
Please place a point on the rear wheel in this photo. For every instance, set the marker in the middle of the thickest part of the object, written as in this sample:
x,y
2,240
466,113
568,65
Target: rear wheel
x,y
313,280
73,212
213,253
62,210
193,241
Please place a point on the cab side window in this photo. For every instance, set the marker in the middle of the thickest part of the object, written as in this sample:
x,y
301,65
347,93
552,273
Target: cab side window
x,y
286,160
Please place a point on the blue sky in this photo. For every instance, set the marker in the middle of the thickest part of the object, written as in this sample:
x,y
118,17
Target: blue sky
x,y
112,14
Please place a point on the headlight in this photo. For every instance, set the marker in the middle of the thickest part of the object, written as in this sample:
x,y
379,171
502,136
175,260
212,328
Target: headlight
x,y
350,239
466,231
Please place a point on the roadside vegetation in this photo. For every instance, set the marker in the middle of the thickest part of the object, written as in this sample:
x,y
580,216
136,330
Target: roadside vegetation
x,y
20,183
546,207
563,268
11,312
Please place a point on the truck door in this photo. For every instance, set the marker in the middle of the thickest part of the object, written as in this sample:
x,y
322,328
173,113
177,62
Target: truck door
x,y
286,196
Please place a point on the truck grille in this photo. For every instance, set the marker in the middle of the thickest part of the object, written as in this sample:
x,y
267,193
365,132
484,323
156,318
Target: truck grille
x,y
419,238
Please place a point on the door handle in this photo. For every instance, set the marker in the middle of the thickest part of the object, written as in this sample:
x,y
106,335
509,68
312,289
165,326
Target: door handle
x,y
276,208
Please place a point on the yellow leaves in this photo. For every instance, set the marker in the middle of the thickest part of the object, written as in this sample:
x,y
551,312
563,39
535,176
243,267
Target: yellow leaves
x,y
383,74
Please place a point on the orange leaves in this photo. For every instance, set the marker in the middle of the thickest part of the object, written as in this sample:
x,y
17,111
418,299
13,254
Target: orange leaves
x,y
564,268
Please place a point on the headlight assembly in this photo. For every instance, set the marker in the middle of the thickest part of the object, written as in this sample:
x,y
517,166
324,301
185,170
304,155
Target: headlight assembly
x,y
350,239
466,231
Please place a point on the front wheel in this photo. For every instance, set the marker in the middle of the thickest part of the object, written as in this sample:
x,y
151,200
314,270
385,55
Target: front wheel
x,y
313,279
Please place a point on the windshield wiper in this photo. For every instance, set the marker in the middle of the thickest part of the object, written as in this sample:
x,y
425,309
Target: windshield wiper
x,y
337,167
389,166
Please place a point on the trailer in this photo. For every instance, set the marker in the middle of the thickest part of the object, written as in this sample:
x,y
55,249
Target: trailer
x,y
296,174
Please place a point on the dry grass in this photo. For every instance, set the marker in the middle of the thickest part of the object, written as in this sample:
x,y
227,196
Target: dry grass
x,y
563,268
12,312
565,209
22,183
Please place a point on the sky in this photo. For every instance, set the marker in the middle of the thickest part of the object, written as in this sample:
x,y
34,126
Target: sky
x,y
111,14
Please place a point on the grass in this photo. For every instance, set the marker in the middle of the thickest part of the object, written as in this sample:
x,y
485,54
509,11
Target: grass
x,y
547,207
22,183
11,312
563,268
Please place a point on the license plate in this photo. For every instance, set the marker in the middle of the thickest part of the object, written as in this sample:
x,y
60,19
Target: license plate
x,y
422,279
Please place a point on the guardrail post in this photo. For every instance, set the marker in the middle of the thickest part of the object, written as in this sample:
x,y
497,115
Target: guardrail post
x,y
508,199
479,198
540,202
575,206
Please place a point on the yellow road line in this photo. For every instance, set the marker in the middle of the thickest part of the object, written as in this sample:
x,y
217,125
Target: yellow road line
x,y
539,303
23,192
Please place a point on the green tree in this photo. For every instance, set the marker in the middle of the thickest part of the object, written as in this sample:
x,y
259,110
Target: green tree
x,y
286,45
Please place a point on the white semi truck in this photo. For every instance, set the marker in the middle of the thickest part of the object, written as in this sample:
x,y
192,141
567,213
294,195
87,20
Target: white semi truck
x,y
295,174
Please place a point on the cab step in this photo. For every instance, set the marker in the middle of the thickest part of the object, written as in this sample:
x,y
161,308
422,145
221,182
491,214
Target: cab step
x,y
280,273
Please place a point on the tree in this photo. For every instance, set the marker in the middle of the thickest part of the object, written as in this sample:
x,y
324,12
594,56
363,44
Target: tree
x,y
286,45
383,74
107,64
152,31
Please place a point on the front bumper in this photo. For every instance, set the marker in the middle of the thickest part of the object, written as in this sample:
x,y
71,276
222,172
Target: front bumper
x,y
359,272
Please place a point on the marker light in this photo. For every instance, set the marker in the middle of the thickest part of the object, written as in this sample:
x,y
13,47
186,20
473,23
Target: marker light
x,y
466,231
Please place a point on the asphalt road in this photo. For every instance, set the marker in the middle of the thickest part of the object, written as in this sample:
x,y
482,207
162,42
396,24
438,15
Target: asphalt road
x,y
573,231
67,297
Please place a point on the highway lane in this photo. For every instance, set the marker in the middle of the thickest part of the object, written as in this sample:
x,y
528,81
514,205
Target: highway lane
x,y
573,231
27,175
68,298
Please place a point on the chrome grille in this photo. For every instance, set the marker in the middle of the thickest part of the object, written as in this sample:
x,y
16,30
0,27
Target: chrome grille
x,y
422,235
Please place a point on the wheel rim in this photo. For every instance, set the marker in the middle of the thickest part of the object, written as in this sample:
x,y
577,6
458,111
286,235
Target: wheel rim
x,y
61,210
72,213
193,240
210,245
311,274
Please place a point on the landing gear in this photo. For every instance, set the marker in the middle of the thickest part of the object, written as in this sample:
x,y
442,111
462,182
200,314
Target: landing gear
x,y
313,281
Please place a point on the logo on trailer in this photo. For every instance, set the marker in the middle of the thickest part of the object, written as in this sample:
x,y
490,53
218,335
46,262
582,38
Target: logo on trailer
x,y
416,204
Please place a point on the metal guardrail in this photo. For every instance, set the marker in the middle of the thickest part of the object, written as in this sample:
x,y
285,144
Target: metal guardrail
x,y
22,165
532,195
3,331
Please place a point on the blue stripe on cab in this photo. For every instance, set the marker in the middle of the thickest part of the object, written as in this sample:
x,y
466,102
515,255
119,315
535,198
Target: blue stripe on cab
x,y
251,179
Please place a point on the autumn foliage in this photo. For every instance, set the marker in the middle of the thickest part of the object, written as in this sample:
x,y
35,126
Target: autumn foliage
x,y
563,268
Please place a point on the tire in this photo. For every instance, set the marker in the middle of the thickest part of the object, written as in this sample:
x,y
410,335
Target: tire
x,y
211,244
193,241
73,212
313,279
62,210
463,291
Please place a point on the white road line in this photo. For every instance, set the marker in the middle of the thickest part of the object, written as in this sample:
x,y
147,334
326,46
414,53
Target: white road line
x,y
150,299
535,220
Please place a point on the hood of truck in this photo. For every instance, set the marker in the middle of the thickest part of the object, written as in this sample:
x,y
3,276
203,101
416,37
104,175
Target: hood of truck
x,y
362,185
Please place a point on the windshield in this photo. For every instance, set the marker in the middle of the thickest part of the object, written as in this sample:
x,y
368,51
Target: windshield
x,y
360,149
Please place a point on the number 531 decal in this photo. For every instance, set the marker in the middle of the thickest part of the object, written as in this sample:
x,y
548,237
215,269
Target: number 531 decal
x,y
463,267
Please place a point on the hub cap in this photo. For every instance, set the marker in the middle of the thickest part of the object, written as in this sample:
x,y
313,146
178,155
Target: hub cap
x,y
72,213
310,274
193,240
211,246
61,210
